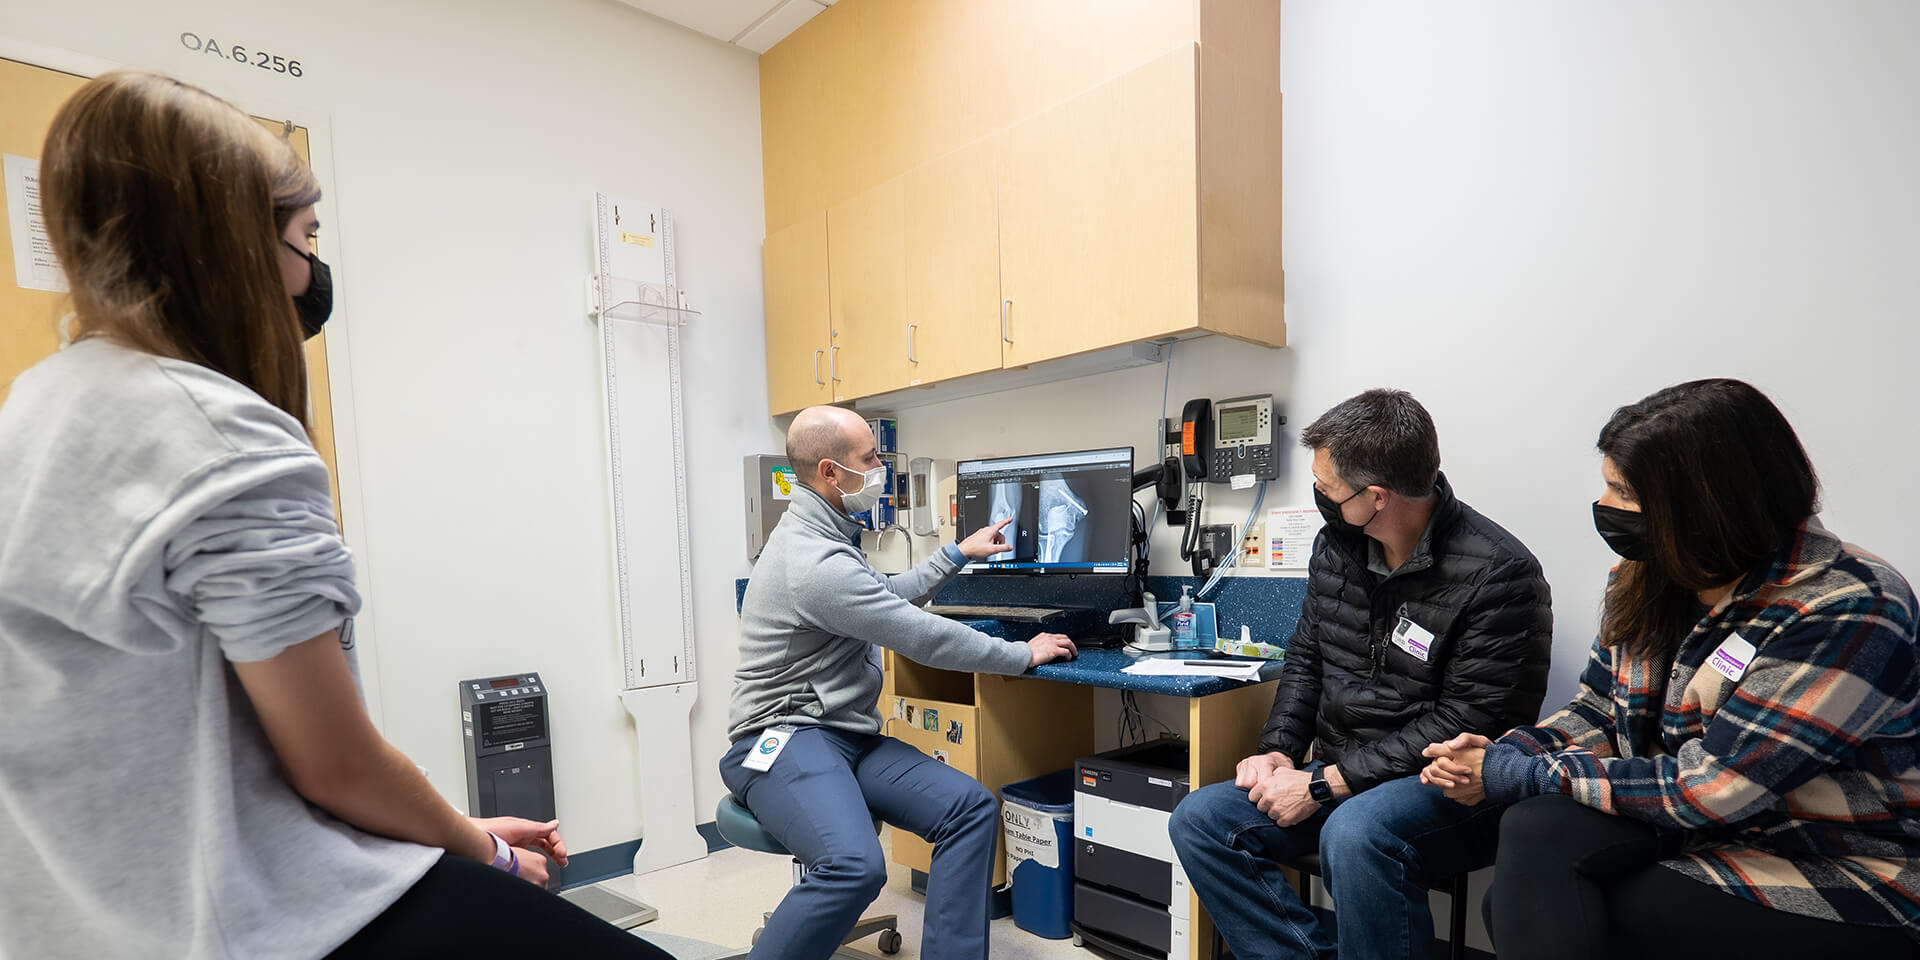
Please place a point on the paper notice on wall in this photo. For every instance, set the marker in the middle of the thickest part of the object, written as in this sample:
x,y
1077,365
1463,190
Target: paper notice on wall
x,y
1290,533
1031,835
34,265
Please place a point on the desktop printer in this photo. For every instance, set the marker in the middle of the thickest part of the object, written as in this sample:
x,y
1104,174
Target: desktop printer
x,y
1130,896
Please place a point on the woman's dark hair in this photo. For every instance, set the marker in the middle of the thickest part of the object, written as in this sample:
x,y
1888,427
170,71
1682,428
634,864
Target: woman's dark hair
x,y
1723,484
165,205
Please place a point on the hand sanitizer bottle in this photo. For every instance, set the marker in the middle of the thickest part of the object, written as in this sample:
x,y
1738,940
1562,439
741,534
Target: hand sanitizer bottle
x,y
1185,636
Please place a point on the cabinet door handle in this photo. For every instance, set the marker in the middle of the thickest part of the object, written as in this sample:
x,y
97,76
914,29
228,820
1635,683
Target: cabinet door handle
x,y
833,364
816,366
1006,309
911,327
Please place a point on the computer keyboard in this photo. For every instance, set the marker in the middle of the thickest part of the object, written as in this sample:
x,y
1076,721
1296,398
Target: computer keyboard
x,y
987,612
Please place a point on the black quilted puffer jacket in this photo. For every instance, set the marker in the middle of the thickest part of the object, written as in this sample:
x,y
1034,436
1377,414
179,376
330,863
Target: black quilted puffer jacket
x,y
1371,703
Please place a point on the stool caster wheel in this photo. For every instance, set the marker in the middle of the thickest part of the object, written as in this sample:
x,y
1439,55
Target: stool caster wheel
x,y
1077,940
889,942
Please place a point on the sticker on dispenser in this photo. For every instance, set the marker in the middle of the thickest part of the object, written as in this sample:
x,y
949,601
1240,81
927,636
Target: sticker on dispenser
x,y
784,480
929,719
955,735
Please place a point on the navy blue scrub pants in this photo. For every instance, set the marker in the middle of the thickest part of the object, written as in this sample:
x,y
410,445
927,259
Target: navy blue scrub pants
x,y
820,799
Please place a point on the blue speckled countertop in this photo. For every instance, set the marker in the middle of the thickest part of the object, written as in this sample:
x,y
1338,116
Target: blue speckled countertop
x,y
1268,605
1101,668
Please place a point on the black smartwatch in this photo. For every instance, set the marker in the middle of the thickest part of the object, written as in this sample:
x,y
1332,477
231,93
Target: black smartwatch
x,y
1319,789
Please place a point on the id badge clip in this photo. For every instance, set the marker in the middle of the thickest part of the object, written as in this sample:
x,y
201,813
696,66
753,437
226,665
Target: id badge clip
x,y
766,749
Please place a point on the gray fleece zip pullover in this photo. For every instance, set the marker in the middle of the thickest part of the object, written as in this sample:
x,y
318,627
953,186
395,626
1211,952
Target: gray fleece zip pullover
x,y
813,613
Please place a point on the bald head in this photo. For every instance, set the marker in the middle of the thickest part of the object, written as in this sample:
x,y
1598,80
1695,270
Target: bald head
x,y
828,433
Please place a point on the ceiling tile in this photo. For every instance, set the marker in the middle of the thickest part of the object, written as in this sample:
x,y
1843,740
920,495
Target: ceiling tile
x,y
784,21
721,19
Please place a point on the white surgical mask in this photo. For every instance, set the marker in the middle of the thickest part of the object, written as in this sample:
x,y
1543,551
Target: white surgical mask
x,y
873,484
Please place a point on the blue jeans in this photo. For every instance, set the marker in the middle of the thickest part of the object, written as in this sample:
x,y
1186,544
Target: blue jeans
x,y
820,799
1378,851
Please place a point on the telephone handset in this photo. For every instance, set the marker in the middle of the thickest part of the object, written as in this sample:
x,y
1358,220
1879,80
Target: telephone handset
x,y
1196,438
1196,452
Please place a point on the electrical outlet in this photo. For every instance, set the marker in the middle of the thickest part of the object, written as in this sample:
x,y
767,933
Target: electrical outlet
x,y
1253,546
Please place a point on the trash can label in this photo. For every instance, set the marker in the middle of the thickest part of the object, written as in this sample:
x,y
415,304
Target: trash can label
x,y
1031,835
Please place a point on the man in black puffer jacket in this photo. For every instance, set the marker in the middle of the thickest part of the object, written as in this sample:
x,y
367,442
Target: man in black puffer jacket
x,y
1422,619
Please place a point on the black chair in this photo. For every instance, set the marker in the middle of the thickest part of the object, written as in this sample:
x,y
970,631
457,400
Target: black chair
x,y
1455,889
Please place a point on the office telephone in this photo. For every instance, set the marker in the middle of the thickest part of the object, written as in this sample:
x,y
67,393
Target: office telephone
x,y
1232,438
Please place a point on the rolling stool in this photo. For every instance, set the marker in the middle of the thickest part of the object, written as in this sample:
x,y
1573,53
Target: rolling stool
x,y
1455,889
741,828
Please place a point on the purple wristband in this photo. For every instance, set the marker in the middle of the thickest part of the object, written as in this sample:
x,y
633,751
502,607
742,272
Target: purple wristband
x,y
513,862
503,856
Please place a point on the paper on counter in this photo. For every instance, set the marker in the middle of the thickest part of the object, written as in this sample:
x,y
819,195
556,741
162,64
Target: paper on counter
x,y
1162,667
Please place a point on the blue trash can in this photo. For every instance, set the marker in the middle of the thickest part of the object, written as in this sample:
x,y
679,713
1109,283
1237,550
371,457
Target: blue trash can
x,y
1037,816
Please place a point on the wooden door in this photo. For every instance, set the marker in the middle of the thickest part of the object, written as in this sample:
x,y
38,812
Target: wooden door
x,y
1098,216
866,291
30,319
797,322
953,266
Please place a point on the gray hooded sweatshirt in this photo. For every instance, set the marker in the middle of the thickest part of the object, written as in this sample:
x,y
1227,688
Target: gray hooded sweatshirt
x,y
813,613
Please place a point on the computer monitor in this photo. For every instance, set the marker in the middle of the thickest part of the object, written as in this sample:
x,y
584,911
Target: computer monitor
x,y
1072,512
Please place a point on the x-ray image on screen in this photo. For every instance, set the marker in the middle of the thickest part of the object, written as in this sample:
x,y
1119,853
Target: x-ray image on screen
x,y
1070,511
1013,498
1061,527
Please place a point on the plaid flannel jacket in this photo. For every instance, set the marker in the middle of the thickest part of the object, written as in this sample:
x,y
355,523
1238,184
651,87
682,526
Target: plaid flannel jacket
x,y
1797,783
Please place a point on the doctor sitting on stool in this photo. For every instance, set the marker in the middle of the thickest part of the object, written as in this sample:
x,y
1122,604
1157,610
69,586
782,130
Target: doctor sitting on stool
x,y
809,682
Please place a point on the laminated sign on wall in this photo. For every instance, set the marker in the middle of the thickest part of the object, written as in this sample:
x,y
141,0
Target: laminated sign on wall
x,y
1031,834
34,265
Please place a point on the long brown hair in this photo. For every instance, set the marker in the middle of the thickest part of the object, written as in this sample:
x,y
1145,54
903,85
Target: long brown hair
x,y
165,204
1723,484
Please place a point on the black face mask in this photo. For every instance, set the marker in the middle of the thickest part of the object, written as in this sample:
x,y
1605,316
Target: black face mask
x,y
316,302
1330,512
1623,530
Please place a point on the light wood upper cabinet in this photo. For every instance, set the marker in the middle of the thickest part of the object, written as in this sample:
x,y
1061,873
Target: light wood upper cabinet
x,y
798,328
1098,217
1007,182
867,298
870,89
953,266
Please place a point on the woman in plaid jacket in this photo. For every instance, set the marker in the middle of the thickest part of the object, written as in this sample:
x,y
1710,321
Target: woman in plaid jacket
x,y
1737,773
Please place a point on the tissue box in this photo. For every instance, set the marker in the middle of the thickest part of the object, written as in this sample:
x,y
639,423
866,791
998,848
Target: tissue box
x,y
1265,651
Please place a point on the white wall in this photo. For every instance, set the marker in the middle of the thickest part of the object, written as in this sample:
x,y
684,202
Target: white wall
x,y
467,139
1529,214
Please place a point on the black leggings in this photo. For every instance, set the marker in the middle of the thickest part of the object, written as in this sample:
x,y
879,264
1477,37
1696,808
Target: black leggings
x,y
1574,882
462,908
